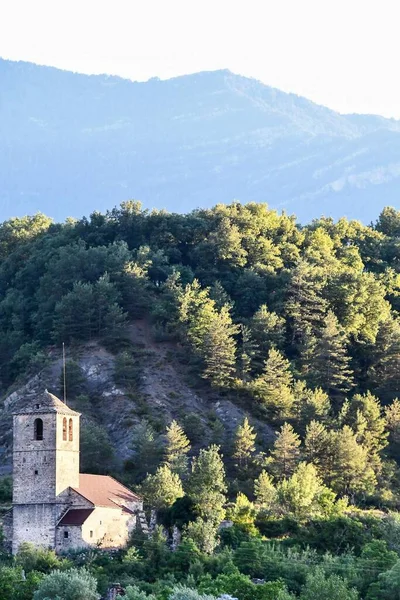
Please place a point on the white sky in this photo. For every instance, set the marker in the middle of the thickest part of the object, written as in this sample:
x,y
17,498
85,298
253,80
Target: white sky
x,y
341,53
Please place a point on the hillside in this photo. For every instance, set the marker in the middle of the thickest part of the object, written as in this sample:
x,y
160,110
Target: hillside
x,y
73,143
239,370
162,393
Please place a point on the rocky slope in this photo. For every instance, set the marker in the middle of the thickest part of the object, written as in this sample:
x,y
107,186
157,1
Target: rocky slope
x,y
73,143
163,394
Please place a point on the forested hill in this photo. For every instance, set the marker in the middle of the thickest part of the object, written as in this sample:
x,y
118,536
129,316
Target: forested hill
x,y
265,282
70,143
296,328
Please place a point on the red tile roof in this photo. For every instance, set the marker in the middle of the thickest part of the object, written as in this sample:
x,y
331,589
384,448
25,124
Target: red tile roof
x,y
102,490
75,516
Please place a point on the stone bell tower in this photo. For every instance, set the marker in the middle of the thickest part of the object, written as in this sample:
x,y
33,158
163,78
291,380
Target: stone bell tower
x,y
45,464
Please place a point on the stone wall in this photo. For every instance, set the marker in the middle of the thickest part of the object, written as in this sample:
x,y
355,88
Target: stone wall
x,y
8,530
74,500
105,527
34,523
34,465
73,541
67,455
108,527
42,469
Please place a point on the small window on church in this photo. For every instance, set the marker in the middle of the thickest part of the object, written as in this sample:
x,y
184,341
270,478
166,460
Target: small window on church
x,y
36,472
70,430
91,534
37,405
66,534
64,429
38,429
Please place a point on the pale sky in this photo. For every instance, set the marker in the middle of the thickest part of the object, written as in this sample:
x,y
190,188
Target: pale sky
x,y
340,53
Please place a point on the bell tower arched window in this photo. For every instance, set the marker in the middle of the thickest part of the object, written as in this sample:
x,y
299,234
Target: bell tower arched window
x,y
70,430
38,429
64,429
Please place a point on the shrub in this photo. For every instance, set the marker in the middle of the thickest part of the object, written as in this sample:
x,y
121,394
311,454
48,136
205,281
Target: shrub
x,y
37,559
75,584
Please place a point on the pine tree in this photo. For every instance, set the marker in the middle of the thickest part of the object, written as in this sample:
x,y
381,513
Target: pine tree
x,y
109,318
310,404
196,314
177,448
273,387
305,307
89,310
243,513
389,222
219,349
316,443
331,369
358,299
166,309
114,322
267,331
146,447
206,485
306,353
265,492
392,413
285,453
248,351
244,444
162,489
220,296
135,290
209,333
226,244
320,248
384,369
364,416
249,292
74,316
352,472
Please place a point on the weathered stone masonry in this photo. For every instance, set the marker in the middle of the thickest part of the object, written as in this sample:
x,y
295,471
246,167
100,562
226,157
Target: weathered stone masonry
x,y
53,505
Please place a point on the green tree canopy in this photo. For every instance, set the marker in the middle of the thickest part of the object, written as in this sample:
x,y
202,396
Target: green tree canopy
x,y
244,444
285,453
74,584
177,448
163,488
206,485
274,386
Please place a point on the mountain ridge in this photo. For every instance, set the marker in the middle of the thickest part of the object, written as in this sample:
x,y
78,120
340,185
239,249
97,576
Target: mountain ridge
x,y
74,143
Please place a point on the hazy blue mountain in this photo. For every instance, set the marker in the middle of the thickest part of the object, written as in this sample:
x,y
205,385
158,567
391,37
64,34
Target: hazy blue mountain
x,y
71,144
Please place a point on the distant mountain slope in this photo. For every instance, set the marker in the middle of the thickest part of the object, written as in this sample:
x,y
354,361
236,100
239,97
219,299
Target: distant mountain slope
x,y
71,143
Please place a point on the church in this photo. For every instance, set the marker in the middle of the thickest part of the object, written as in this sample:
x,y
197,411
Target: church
x,y
53,504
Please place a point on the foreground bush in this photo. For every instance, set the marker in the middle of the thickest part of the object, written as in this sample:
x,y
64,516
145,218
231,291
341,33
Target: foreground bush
x,y
75,584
